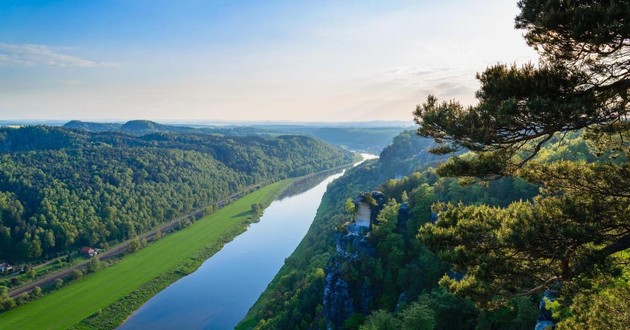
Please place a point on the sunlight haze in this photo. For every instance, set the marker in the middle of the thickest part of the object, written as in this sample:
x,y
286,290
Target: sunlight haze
x,y
239,60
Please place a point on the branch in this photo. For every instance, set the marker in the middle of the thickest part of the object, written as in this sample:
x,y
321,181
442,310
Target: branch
x,y
540,287
619,245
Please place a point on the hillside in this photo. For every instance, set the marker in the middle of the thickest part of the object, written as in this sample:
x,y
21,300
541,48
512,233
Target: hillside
x,y
360,138
62,189
296,293
390,278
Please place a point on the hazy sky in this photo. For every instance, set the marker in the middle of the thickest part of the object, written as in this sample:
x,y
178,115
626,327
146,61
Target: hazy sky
x,y
246,60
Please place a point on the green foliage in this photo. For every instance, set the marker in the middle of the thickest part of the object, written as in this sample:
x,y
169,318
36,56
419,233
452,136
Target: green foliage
x,y
36,292
417,316
381,320
134,245
351,208
158,233
6,302
575,234
604,309
76,274
296,293
402,264
208,210
257,209
122,288
63,189
94,265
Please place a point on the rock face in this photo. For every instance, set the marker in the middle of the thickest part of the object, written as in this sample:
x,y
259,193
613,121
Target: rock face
x,y
341,297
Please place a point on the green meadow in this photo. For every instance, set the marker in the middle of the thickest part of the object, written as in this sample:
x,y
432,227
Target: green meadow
x,y
91,295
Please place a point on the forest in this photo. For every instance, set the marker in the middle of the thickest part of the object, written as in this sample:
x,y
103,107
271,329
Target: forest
x,y
65,188
405,168
355,137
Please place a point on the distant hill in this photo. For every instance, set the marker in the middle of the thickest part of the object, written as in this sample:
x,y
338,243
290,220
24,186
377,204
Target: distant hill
x,y
146,126
360,138
91,126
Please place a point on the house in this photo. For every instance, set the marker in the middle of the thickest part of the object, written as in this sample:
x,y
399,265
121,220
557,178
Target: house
x,y
88,251
5,267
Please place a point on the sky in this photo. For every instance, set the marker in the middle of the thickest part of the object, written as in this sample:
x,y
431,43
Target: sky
x,y
206,60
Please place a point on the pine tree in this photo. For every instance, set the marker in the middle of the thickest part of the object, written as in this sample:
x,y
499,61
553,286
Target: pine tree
x,y
573,235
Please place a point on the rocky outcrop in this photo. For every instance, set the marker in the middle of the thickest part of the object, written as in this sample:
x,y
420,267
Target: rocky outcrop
x,y
342,297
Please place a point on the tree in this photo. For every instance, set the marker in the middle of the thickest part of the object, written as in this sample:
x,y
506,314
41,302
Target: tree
x,y
571,234
134,245
94,264
58,283
36,292
208,210
351,208
6,302
158,234
76,274
257,209
36,248
418,316
381,320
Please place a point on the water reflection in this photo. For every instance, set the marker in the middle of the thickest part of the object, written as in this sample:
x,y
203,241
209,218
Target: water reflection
x,y
221,291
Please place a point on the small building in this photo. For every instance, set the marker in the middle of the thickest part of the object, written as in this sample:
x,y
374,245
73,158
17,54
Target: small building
x,y
5,267
88,251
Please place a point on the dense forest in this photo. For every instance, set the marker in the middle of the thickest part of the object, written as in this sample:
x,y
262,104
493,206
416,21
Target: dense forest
x,y
356,138
296,294
62,189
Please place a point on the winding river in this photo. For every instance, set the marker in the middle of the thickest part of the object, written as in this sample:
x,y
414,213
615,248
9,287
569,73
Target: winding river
x,y
221,291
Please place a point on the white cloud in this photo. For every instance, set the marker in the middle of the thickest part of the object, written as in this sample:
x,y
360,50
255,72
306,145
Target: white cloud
x,y
42,55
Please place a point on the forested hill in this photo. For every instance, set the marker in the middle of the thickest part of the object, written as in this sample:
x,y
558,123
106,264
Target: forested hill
x,y
294,298
392,278
61,189
359,137
143,127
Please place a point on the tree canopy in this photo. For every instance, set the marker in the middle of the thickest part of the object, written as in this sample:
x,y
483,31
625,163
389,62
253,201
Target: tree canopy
x,y
61,189
572,235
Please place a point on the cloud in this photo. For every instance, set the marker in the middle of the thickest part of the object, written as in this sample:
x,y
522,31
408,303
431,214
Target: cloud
x,y
41,55
414,74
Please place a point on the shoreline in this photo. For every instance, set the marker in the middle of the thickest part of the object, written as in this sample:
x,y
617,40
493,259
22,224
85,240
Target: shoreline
x,y
141,270
116,307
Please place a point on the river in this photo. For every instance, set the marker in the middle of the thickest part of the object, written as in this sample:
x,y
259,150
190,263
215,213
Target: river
x,y
221,291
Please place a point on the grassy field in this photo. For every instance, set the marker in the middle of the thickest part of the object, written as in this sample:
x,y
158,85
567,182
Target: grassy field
x,y
64,308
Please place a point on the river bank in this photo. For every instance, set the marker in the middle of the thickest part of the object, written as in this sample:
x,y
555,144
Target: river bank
x,y
105,298
219,293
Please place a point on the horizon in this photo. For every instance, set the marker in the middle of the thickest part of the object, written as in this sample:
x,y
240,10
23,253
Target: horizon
x,y
221,61
357,124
